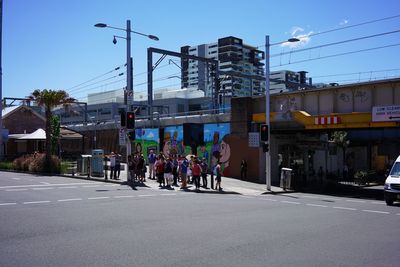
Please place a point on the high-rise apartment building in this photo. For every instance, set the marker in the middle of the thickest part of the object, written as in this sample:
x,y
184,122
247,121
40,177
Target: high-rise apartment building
x,y
241,69
287,81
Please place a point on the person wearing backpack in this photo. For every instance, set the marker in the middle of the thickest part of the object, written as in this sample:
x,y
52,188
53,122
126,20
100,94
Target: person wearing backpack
x,y
183,168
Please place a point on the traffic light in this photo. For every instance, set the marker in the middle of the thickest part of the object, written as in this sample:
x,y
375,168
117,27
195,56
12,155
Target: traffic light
x,y
131,135
264,133
130,120
265,147
123,118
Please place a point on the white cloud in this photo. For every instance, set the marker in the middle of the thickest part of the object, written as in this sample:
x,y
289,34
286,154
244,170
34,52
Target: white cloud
x,y
298,32
344,22
295,30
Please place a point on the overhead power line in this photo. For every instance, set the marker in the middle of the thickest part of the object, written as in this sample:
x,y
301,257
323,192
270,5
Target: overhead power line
x,y
95,78
354,73
106,79
335,43
336,55
339,29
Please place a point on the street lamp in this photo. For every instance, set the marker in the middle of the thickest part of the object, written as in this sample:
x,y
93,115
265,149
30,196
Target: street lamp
x,y
129,69
129,82
267,107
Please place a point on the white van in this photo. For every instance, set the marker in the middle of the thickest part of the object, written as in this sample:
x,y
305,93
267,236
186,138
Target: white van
x,y
392,184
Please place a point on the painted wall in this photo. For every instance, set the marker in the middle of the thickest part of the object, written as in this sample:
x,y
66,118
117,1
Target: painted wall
x,y
216,143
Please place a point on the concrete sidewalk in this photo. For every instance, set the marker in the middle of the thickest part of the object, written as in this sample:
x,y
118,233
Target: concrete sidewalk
x,y
229,185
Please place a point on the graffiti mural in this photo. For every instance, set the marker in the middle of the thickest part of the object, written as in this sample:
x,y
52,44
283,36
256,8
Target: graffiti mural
x,y
216,147
173,141
146,139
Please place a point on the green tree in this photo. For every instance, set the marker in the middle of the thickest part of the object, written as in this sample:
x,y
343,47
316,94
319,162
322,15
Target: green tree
x,y
55,133
339,138
49,99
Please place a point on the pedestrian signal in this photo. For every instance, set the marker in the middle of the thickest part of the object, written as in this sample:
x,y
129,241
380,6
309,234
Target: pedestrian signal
x,y
131,135
130,120
265,148
264,133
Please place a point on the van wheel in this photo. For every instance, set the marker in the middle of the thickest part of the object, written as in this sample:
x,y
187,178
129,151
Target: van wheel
x,y
389,202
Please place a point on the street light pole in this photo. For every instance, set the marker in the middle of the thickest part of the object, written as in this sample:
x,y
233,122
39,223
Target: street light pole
x,y
267,107
267,112
129,70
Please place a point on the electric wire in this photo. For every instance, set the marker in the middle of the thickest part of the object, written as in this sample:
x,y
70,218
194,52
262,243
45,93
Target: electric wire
x,y
335,43
99,76
336,55
338,29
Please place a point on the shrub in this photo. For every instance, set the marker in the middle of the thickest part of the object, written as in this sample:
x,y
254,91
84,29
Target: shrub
x,y
6,165
19,163
39,165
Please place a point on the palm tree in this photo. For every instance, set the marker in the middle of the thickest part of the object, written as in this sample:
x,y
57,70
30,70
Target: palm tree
x,y
340,140
50,99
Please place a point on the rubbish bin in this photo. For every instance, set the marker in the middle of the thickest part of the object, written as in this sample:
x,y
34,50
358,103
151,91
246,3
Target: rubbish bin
x,y
97,168
84,165
286,178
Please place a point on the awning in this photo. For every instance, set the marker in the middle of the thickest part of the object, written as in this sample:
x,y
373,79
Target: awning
x,y
39,134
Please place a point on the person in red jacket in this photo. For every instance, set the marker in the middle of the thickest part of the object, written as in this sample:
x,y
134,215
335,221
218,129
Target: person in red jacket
x,y
196,172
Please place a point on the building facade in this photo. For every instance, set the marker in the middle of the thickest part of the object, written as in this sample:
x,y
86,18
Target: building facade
x,y
241,70
288,81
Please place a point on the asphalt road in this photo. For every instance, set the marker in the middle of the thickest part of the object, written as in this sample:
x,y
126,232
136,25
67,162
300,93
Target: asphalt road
x,y
56,221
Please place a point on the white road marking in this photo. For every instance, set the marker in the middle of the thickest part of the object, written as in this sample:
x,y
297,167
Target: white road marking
x,y
355,201
290,202
17,189
16,178
398,214
343,208
69,199
111,185
37,202
45,183
168,194
87,186
376,211
66,187
146,195
43,188
94,198
41,185
123,196
7,204
245,197
317,205
274,200
310,197
378,203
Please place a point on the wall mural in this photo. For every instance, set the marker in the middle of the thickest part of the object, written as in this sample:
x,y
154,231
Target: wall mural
x,y
146,139
216,143
173,141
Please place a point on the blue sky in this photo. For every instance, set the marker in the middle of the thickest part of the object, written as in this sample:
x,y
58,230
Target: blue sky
x,y
52,43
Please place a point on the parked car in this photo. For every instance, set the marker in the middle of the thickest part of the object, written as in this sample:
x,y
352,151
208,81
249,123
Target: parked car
x,y
392,184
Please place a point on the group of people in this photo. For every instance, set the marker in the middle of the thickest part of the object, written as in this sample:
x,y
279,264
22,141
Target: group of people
x,y
115,166
169,170
137,167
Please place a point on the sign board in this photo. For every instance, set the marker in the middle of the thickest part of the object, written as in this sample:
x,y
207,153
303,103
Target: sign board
x,y
129,98
254,139
386,113
122,137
